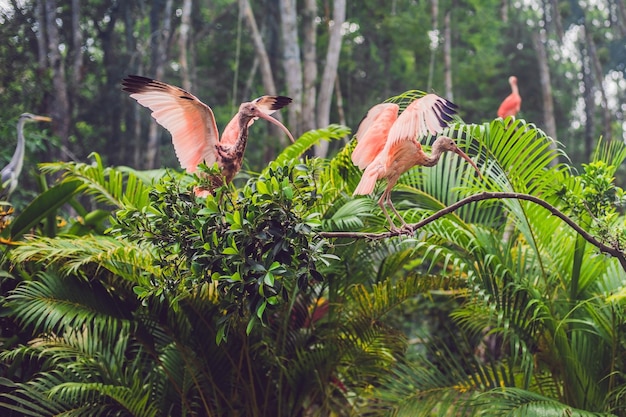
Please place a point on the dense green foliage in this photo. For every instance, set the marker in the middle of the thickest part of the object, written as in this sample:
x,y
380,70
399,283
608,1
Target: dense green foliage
x,y
238,305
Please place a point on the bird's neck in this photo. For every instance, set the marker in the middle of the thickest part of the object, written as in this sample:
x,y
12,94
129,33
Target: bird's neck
x,y
432,159
514,89
18,156
242,139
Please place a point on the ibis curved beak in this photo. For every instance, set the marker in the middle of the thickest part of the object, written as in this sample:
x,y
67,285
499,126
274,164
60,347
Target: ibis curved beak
x,y
277,123
467,158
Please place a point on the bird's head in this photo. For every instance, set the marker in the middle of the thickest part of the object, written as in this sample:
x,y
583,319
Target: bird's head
x,y
29,117
513,80
447,144
252,110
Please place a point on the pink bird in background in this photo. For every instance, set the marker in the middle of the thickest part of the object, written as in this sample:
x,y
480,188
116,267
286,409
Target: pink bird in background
x,y
512,104
388,144
192,125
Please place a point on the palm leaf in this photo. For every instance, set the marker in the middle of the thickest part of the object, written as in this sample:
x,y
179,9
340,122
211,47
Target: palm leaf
x,y
612,152
308,140
516,402
41,207
52,304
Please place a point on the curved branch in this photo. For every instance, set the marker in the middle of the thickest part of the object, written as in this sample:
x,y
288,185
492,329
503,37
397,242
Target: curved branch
x,y
412,228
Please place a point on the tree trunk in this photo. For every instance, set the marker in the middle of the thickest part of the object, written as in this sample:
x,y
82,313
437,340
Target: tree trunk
x,y
77,45
309,94
589,102
183,44
267,75
292,63
42,48
447,56
597,69
434,41
330,72
556,19
546,87
133,145
60,110
263,61
160,36
620,17
339,98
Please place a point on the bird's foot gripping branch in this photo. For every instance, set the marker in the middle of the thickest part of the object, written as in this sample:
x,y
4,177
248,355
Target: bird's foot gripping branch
x,y
255,248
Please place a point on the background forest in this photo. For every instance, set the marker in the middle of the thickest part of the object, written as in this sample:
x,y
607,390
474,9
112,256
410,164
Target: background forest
x,y
283,294
335,59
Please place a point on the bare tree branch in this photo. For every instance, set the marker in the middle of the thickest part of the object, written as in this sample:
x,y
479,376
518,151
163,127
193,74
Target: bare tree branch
x,y
412,228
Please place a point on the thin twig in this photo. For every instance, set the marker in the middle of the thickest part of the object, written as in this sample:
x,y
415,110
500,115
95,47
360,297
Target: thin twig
x,y
412,228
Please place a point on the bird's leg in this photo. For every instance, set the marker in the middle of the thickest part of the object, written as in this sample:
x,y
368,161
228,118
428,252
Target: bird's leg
x,y
381,203
383,200
404,223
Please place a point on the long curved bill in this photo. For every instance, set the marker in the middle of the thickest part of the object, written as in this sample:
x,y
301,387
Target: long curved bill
x,y
277,123
467,158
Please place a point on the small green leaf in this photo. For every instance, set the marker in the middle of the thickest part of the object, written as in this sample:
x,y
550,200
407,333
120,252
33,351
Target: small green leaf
x,y
261,310
221,334
140,291
261,187
250,326
274,266
230,251
275,185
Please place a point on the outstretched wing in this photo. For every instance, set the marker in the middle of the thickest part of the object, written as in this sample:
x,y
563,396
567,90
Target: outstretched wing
x,y
373,132
427,115
266,104
190,121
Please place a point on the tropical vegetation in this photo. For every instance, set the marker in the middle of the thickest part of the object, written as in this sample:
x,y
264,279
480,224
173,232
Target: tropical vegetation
x,y
283,294
145,300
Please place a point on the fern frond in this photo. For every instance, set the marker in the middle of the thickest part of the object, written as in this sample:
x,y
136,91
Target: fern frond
x,y
133,399
383,297
70,255
120,188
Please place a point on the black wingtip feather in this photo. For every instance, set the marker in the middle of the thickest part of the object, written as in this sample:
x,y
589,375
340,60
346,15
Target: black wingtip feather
x,y
136,84
451,105
280,102
445,110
